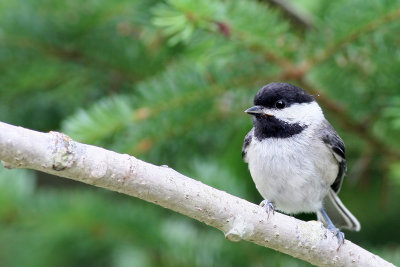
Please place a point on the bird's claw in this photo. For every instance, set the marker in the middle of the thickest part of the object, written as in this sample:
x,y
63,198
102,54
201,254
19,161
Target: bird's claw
x,y
268,207
340,235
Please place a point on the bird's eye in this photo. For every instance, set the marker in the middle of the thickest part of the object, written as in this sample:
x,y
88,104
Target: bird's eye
x,y
280,104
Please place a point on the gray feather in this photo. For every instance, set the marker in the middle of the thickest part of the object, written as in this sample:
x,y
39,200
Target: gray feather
x,y
338,213
246,143
336,145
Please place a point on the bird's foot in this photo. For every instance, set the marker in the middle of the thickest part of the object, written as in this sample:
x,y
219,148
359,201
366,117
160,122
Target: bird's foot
x,y
268,207
340,235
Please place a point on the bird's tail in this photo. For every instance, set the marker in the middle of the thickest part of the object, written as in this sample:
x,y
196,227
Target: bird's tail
x,y
338,213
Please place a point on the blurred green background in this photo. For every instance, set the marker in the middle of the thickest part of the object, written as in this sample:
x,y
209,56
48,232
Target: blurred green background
x,y
168,81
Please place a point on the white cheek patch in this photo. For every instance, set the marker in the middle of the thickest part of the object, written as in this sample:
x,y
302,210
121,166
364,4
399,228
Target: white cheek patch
x,y
303,114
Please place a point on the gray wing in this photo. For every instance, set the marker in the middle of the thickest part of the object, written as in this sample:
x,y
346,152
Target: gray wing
x,y
246,143
336,145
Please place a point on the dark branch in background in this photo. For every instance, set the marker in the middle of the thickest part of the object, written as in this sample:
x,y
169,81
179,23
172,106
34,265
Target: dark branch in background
x,y
298,73
361,129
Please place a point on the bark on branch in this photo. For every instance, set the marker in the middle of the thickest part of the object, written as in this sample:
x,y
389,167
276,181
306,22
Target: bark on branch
x,y
238,219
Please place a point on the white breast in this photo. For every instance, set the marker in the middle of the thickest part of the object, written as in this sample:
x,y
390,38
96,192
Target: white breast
x,y
295,173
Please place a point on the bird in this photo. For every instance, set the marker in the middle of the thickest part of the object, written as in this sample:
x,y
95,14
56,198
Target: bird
x,y
296,158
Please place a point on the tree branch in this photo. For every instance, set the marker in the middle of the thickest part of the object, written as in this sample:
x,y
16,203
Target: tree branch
x,y
58,154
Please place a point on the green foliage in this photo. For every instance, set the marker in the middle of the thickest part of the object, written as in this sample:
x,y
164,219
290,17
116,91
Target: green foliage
x,y
181,18
115,112
56,57
99,228
168,81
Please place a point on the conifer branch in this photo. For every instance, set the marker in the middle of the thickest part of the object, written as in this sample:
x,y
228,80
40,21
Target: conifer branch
x,y
57,154
297,19
73,55
348,39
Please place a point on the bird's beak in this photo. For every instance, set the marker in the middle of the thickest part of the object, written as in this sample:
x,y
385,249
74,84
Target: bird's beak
x,y
257,110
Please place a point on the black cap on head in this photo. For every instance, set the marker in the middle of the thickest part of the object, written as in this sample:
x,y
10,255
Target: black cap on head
x,y
271,93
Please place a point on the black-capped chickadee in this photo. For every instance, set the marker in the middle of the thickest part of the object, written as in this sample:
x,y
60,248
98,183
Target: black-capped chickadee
x,y
296,158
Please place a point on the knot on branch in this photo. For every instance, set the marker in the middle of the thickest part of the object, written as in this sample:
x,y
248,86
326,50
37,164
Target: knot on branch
x,y
63,152
239,229
308,236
